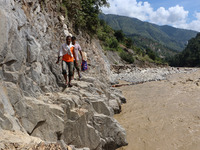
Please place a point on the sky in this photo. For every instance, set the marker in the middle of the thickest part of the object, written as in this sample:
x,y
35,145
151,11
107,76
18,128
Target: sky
x,y
177,13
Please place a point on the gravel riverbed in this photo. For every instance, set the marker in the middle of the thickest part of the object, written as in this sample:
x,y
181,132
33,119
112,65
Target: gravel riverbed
x,y
136,74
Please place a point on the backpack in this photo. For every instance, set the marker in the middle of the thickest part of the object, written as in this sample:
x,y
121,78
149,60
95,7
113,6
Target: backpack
x,y
84,65
84,55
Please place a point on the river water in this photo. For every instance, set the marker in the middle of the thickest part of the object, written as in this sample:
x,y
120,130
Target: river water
x,y
163,115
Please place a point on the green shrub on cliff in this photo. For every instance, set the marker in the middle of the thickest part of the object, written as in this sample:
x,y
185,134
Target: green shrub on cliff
x,y
129,42
84,13
127,57
113,43
106,34
151,54
119,35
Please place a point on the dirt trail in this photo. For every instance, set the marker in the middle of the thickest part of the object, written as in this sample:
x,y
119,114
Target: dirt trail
x,y
163,115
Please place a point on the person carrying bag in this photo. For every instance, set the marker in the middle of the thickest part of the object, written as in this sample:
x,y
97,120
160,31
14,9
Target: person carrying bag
x,y
84,65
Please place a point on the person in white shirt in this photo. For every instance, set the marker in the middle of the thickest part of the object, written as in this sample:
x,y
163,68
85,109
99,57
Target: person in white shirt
x,y
68,58
77,50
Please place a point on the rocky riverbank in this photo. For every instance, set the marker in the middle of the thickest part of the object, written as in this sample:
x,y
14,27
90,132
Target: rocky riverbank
x,y
137,75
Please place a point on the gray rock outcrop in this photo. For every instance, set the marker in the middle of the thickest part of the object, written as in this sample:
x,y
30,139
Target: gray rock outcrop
x,y
33,100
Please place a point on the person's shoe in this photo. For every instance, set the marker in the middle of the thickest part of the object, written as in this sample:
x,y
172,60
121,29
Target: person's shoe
x,y
69,85
80,77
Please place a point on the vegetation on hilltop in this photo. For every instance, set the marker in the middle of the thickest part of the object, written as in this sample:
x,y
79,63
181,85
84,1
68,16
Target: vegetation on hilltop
x,y
117,41
158,48
190,56
169,37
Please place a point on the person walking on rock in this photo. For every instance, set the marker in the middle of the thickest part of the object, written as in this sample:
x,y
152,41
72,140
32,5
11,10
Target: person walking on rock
x,y
68,55
77,49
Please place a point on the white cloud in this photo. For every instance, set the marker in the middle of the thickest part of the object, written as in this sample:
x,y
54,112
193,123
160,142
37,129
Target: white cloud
x,y
197,15
195,24
172,16
130,8
175,16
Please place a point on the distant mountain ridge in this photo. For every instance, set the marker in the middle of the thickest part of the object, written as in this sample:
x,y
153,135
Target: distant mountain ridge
x,y
173,38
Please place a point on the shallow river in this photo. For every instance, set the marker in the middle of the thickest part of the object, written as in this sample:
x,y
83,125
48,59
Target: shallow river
x,y
163,115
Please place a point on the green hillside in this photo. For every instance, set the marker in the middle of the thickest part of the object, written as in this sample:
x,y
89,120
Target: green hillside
x,y
170,37
190,56
144,43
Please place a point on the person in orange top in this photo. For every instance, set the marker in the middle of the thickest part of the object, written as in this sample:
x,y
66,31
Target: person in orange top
x,y
68,55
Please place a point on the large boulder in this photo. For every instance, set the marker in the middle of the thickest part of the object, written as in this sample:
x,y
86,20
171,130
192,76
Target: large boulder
x,y
8,120
111,133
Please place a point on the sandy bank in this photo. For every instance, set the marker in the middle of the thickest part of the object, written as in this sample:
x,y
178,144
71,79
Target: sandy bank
x,y
163,115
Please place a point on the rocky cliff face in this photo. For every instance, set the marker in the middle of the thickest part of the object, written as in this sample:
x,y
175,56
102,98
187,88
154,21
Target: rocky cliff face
x,y
33,102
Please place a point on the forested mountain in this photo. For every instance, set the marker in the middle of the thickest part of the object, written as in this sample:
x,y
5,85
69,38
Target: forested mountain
x,y
170,37
190,56
143,42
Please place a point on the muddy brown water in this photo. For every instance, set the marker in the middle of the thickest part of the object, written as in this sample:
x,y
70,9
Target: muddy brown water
x,y
163,115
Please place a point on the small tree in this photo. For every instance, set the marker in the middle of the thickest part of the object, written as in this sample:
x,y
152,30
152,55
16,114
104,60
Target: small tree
x,y
129,42
119,35
151,54
127,57
113,43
